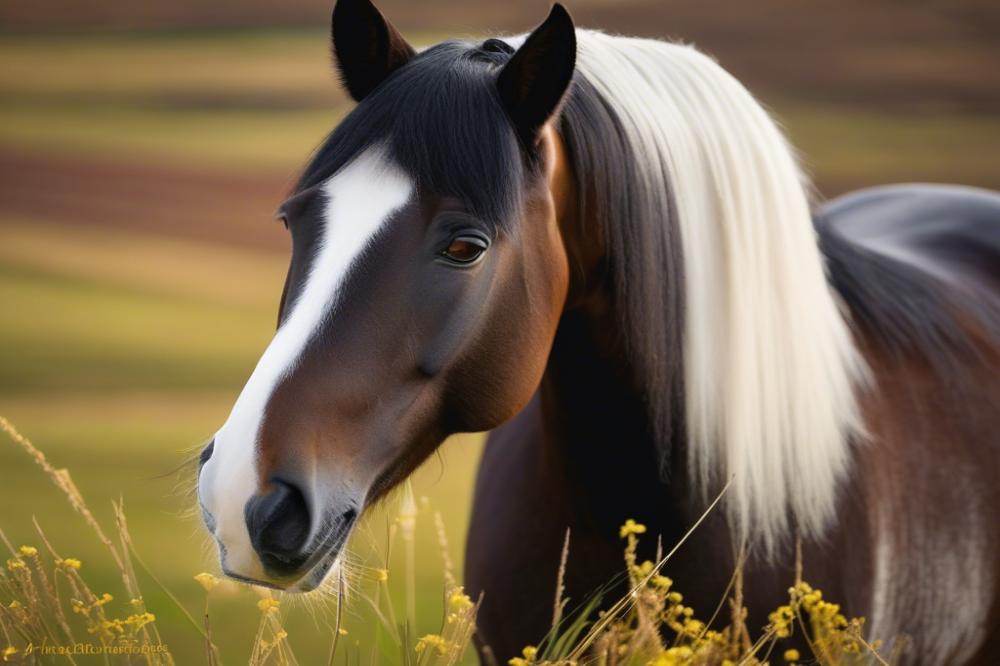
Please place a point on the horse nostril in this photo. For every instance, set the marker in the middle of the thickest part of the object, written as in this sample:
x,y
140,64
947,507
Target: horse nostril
x,y
278,523
205,454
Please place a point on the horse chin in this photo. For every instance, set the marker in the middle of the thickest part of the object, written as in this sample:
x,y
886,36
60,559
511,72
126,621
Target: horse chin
x,y
314,578
310,581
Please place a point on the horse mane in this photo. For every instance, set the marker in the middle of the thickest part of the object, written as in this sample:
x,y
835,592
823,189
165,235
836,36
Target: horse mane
x,y
736,338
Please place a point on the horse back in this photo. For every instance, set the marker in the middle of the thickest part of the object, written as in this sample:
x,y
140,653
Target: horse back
x,y
918,267
949,232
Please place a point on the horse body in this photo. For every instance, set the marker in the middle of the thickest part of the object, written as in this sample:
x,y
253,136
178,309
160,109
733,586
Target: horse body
x,y
916,536
603,248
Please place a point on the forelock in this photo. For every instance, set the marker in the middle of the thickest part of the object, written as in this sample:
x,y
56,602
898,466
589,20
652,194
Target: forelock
x,y
442,121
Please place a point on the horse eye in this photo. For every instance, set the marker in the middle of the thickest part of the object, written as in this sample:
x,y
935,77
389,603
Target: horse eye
x,y
465,249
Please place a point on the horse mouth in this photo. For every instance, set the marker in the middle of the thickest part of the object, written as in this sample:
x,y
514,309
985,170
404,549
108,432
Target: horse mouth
x,y
313,569
315,576
323,558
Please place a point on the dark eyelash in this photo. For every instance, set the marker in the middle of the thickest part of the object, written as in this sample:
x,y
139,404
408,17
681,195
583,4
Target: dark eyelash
x,y
456,223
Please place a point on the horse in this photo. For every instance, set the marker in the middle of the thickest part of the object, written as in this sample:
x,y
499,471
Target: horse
x,y
603,250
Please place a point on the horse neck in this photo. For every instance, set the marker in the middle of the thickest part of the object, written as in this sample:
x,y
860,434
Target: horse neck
x,y
598,434
596,430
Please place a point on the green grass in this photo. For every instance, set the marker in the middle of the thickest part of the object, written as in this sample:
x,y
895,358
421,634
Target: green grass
x,y
240,139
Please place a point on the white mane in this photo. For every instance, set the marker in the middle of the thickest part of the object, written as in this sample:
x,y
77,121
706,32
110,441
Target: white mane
x,y
770,366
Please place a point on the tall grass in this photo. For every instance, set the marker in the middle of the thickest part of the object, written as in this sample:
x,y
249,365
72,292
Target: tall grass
x,y
49,613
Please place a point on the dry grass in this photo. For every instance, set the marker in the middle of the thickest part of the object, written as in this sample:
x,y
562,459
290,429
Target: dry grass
x,y
39,590
651,625
48,612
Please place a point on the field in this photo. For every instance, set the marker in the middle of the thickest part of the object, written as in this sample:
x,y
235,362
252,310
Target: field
x,y
140,268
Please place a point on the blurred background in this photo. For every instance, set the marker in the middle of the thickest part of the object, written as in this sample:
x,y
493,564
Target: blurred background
x,y
145,145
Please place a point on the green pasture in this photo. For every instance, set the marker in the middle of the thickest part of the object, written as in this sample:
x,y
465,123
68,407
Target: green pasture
x,y
120,352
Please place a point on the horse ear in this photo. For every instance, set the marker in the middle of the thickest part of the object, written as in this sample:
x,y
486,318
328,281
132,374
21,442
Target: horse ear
x,y
366,47
534,81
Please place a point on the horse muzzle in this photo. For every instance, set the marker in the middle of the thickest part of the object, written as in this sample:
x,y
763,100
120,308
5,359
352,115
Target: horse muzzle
x,y
292,543
286,535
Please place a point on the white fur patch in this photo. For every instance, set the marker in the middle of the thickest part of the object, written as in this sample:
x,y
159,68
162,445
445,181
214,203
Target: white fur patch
x,y
361,198
931,566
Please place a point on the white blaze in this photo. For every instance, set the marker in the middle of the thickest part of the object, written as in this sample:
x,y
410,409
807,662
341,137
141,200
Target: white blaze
x,y
360,199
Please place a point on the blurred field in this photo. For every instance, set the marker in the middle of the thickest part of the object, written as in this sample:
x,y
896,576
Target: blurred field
x,y
140,268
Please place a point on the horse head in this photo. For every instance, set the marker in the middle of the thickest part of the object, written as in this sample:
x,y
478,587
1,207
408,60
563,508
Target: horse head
x,y
426,280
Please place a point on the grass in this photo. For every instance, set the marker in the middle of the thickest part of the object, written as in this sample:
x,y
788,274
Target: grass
x,y
48,604
34,612
99,309
242,139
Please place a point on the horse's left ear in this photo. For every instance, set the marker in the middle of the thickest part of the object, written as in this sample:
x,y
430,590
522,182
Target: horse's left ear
x,y
366,47
532,84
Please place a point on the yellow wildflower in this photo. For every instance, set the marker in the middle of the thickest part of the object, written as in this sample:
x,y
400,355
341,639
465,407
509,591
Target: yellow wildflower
x,y
631,527
432,642
781,619
9,652
381,575
458,601
675,656
141,620
207,581
113,625
69,563
268,604
644,569
28,551
791,655
15,564
662,582
694,627
528,657
715,637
